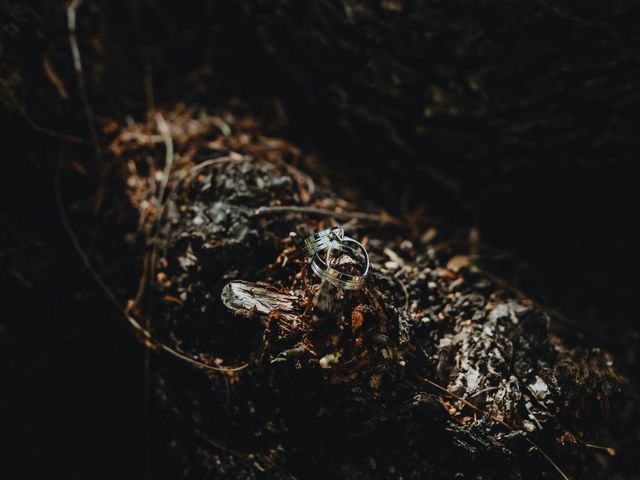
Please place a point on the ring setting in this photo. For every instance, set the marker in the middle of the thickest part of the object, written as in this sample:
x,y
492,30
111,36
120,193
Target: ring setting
x,y
321,241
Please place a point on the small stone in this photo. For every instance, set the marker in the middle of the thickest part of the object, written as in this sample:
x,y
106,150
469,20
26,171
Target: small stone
x,y
539,388
458,262
327,360
406,245
391,265
428,235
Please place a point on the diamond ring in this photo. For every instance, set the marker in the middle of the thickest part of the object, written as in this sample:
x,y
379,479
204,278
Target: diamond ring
x,y
322,241
323,245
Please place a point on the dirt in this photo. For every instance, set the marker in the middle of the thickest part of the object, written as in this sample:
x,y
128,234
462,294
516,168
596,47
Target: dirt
x,y
432,370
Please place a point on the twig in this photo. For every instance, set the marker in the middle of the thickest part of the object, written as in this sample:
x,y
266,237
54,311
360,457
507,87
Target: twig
x,y
532,416
165,133
497,420
370,217
484,390
77,65
176,353
214,161
47,131
37,127
610,450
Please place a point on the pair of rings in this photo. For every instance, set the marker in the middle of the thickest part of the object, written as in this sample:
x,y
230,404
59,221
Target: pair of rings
x,y
321,248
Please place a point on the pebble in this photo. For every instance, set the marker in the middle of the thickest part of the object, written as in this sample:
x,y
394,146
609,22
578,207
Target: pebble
x,y
391,265
406,245
539,388
327,360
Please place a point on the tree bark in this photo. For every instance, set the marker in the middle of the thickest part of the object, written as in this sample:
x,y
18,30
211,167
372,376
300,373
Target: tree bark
x,y
430,370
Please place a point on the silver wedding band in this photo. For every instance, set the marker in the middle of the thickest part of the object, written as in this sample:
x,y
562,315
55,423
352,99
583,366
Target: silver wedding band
x,y
322,241
323,244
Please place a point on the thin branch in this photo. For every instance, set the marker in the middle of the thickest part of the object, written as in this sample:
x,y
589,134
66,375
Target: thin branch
x,y
214,162
610,450
165,133
77,65
381,217
484,390
37,127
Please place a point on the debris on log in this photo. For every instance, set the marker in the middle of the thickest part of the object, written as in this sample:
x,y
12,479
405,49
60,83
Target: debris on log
x,y
431,370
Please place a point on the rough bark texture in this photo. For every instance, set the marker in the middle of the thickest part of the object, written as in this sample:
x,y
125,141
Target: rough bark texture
x,y
431,370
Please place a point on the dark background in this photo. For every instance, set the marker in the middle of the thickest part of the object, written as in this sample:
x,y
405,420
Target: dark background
x,y
530,139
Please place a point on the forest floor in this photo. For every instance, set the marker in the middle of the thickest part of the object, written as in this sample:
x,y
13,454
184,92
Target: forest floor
x,y
437,367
